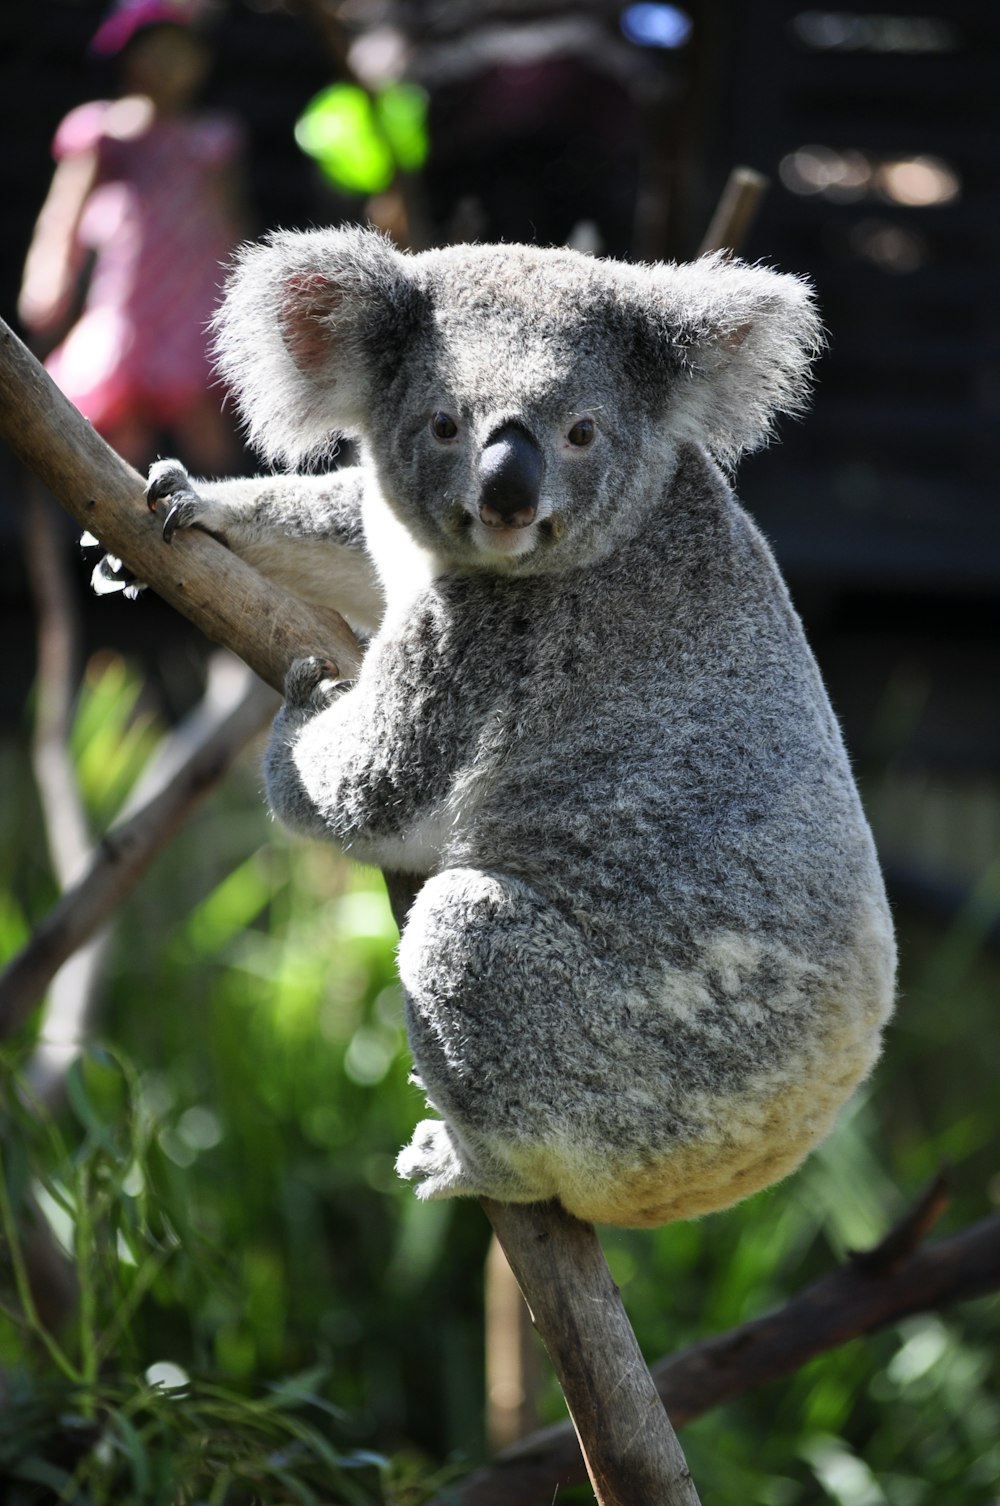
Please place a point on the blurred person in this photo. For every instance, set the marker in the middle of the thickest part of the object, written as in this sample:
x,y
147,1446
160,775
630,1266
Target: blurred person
x,y
124,268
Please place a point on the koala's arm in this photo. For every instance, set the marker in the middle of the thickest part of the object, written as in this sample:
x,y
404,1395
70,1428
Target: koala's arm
x,y
304,532
371,766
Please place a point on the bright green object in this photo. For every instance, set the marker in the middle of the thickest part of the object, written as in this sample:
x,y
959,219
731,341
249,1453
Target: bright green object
x,y
360,140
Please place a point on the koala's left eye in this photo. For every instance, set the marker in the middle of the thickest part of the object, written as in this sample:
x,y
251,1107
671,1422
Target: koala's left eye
x,y
443,426
583,433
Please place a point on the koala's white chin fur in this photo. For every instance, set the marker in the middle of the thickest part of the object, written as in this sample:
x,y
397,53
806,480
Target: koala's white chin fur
x,y
497,545
403,567
504,543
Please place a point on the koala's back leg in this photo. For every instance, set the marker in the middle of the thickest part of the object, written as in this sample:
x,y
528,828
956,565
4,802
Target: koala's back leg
x,y
446,1162
492,974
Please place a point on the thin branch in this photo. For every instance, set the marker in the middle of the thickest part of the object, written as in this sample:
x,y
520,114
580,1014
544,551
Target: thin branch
x,y
910,1232
512,1357
735,212
67,833
846,1304
75,987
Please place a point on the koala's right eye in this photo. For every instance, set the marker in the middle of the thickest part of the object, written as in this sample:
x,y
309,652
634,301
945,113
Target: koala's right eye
x,y
443,426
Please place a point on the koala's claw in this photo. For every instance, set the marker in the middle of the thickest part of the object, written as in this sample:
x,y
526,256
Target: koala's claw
x,y
182,513
169,486
312,683
165,479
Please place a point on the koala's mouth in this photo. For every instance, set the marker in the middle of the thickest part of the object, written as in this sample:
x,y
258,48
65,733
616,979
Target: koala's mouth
x,y
508,542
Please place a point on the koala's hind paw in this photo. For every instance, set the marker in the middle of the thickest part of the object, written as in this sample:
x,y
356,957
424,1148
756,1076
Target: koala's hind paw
x,y
436,1163
312,683
443,1166
111,574
169,493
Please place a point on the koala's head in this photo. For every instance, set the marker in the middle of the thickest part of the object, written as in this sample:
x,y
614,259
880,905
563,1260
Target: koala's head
x,y
522,407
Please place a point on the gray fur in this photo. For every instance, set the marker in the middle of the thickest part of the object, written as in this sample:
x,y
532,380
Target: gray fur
x,y
653,954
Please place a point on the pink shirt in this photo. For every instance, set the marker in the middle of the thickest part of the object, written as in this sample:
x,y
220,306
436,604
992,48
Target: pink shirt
x,y
160,223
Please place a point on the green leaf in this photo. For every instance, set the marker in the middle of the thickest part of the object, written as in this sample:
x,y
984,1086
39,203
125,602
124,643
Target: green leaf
x,y
135,1450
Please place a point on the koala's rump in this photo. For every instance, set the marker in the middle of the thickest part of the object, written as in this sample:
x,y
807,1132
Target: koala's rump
x,y
634,1095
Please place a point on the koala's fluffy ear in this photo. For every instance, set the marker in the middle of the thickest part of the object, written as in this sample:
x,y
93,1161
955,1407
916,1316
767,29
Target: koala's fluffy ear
x,y
740,339
307,319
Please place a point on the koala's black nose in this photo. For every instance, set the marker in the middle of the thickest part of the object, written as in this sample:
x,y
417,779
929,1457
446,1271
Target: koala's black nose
x,y
510,478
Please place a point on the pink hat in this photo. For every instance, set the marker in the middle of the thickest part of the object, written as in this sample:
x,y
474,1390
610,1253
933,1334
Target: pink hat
x,y
129,16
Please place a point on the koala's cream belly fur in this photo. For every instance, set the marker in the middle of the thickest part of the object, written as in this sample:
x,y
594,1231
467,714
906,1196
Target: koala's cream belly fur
x,y
750,1140
758,1139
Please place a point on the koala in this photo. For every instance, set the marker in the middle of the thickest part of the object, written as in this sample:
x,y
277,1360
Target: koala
x,y
651,955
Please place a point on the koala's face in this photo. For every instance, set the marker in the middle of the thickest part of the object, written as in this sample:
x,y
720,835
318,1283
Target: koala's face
x,y
522,407
510,433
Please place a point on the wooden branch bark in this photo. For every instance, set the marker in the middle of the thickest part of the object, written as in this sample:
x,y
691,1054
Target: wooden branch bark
x,y
737,207
630,1449
67,833
75,987
232,604
858,1299
635,1459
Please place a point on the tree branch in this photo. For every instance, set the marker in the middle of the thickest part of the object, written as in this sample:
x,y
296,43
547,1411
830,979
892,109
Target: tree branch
x,y
849,1303
231,602
631,1451
66,829
735,212
75,987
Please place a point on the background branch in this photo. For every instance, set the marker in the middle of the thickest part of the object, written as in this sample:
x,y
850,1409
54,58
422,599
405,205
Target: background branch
x,y
74,988
735,212
194,758
57,633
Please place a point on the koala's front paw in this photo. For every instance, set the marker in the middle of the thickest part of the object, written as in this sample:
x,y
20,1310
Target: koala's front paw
x,y
312,683
169,493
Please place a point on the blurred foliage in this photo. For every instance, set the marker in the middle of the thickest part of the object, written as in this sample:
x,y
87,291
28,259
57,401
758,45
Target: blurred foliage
x,y
221,1176
96,1426
362,139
